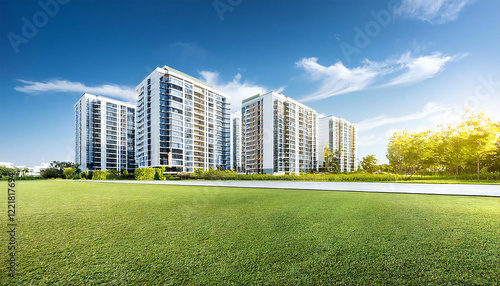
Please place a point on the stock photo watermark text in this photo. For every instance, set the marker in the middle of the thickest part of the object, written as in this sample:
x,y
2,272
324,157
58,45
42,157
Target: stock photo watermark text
x,y
11,227
39,19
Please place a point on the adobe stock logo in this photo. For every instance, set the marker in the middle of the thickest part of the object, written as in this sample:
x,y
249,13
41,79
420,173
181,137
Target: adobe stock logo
x,y
372,29
30,28
485,90
223,6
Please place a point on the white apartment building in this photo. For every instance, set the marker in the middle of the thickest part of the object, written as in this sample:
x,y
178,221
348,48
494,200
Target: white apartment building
x,y
104,130
35,171
341,136
236,142
279,135
182,123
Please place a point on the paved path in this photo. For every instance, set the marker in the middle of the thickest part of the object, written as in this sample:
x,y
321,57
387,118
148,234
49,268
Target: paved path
x,y
410,188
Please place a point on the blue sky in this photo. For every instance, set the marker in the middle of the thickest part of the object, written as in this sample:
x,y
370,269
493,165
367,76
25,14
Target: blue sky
x,y
386,65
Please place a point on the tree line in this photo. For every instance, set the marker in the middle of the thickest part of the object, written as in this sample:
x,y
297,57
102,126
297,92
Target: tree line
x,y
471,146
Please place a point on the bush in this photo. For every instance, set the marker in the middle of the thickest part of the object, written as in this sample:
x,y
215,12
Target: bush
x,y
50,173
159,173
124,175
7,172
24,178
185,176
144,174
112,175
171,177
213,174
465,177
99,175
69,173
87,175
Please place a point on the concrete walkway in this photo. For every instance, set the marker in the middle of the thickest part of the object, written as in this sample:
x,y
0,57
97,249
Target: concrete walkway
x,y
409,188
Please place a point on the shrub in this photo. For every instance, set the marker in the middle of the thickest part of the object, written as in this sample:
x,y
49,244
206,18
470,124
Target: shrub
x,y
69,173
7,172
87,175
124,175
465,177
185,176
198,173
50,173
171,177
99,175
23,178
112,175
159,173
144,174
213,174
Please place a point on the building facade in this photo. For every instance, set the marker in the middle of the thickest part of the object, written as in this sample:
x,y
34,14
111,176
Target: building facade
x,y
182,123
341,136
104,130
279,135
236,151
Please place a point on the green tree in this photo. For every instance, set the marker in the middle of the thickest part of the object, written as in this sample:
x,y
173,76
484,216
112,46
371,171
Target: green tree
x,y
8,172
77,169
452,148
369,163
409,152
332,159
481,137
60,166
492,161
464,146
23,171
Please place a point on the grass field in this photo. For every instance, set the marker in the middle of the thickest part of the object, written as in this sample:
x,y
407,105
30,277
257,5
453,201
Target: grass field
x,y
84,233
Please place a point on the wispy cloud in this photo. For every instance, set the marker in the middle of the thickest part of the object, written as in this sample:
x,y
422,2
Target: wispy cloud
x,y
431,110
420,68
237,89
112,90
432,11
338,79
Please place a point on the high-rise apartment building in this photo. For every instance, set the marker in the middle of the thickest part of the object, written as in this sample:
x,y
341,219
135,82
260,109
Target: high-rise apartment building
x,y
341,136
182,123
236,142
279,135
104,130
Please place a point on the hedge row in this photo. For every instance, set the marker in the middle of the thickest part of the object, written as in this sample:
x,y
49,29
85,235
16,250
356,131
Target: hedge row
x,y
213,174
465,177
23,178
104,175
149,174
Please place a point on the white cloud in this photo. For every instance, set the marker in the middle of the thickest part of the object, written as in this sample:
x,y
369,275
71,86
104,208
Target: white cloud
x,y
338,79
430,109
419,69
432,11
112,90
237,89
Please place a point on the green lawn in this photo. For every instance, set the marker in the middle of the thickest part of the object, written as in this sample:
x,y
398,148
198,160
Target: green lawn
x,y
84,233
